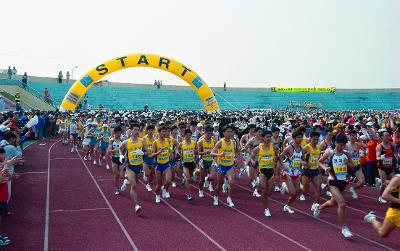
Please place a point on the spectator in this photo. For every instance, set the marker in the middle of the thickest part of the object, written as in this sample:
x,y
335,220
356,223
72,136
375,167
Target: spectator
x,y
67,75
1,104
17,99
60,77
14,73
25,80
39,127
46,95
225,86
9,72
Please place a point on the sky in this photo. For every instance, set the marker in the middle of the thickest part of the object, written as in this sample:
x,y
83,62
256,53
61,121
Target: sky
x,y
253,43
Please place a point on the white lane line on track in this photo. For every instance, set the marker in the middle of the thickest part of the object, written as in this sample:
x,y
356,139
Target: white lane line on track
x,y
46,222
128,237
79,210
259,222
64,158
327,222
31,173
190,222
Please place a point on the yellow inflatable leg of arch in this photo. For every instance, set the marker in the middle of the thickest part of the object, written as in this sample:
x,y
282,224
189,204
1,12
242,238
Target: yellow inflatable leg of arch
x,y
81,86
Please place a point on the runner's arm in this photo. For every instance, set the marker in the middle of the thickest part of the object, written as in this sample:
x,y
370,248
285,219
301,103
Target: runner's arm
x,y
214,152
393,185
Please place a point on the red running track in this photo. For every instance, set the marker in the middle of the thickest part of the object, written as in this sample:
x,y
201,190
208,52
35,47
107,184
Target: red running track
x,y
61,202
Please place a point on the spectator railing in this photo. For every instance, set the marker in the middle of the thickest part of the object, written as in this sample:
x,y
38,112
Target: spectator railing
x,y
32,91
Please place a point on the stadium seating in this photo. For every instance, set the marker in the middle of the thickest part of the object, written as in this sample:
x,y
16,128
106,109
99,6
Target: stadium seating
x,y
174,97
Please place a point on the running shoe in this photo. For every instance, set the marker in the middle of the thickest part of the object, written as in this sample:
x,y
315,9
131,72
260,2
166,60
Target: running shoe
x,y
107,167
315,210
353,193
201,193
163,193
158,199
267,213
125,184
256,194
277,189
370,216
302,197
382,200
210,188
189,197
138,209
72,150
173,184
283,188
215,201
94,162
84,158
148,187
346,232
117,192
288,209
230,202
167,195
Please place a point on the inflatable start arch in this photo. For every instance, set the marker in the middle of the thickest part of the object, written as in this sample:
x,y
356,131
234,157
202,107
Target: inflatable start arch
x,y
81,86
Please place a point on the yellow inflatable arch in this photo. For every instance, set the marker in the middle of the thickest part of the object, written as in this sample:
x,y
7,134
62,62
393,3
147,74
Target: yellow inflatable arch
x,y
81,86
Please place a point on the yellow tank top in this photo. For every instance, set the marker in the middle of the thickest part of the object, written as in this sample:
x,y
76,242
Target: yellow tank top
x,y
207,147
228,158
266,157
163,157
313,156
188,151
149,144
134,159
303,143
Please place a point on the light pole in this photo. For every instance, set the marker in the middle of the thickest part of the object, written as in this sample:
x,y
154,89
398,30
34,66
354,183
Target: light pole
x,y
72,71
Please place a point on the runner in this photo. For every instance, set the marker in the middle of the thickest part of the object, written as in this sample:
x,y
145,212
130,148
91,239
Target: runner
x,y
117,165
73,130
392,218
243,142
94,143
292,156
104,139
207,172
225,152
267,155
173,143
162,164
253,165
188,150
311,155
63,130
338,169
87,140
353,147
135,149
386,157
277,142
149,160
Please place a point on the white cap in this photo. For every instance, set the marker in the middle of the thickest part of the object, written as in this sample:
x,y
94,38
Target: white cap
x,y
199,124
105,125
370,123
363,137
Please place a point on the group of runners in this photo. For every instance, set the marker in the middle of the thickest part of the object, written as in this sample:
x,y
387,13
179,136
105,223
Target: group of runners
x,y
167,151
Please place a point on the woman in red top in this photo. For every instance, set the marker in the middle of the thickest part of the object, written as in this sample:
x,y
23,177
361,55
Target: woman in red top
x,y
370,165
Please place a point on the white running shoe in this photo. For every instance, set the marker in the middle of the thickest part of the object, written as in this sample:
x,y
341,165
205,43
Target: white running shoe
x,y
256,194
369,217
353,193
230,202
125,184
210,188
173,184
138,209
302,197
148,188
346,232
84,158
315,210
288,209
72,150
167,195
328,193
201,193
104,157
108,167
267,213
382,200
283,188
94,162
117,192
158,199
215,201
277,189
163,193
